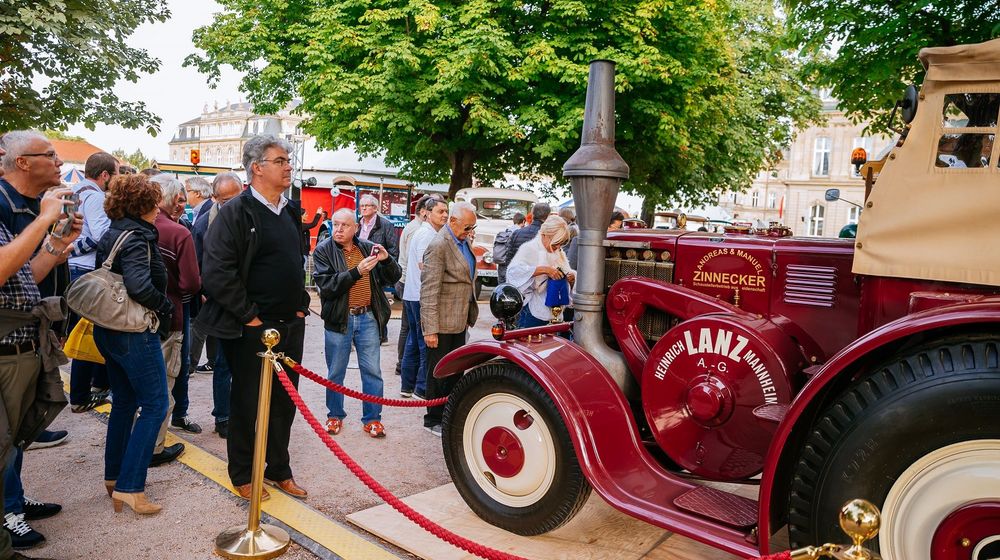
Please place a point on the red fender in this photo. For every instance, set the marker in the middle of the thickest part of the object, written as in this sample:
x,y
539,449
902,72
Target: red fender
x,y
845,362
605,437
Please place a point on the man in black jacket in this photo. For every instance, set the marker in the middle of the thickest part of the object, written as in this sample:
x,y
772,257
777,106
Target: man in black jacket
x,y
539,212
350,273
253,281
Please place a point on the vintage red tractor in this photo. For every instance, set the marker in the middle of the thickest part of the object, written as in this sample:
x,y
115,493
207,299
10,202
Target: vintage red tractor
x,y
816,370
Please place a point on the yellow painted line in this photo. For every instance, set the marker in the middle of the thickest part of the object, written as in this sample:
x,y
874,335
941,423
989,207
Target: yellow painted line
x,y
288,510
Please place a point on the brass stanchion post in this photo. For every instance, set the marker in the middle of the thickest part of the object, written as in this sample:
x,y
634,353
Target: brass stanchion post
x,y
257,540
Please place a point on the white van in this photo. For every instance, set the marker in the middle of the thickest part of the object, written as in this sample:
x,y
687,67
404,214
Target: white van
x,y
495,209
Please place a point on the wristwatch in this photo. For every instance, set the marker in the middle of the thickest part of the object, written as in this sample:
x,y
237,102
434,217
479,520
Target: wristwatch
x,y
50,248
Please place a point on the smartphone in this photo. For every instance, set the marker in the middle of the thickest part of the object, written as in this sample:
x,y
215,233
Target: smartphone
x,y
71,205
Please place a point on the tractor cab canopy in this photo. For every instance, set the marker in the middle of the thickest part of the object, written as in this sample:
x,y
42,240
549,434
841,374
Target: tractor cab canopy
x,y
933,215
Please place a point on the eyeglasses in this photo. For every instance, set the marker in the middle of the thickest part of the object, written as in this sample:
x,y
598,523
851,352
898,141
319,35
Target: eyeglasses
x,y
50,155
280,162
368,205
469,228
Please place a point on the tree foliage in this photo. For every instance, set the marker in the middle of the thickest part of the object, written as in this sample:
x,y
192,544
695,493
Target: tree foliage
x,y
136,159
877,43
60,60
450,90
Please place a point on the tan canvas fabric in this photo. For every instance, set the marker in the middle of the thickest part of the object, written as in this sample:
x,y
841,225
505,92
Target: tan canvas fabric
x,y
962,63
936,223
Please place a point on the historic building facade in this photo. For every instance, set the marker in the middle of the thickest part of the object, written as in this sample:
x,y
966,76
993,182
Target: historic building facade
x,y
220,132
818,159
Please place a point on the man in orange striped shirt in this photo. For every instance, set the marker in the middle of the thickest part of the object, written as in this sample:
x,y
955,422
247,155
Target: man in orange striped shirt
x,y
350,273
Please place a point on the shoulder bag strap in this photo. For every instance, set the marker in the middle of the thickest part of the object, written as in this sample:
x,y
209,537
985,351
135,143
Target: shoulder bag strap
x,y
115,248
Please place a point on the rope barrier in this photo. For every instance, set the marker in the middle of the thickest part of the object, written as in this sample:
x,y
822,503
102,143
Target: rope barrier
x,y
382,492
410,403
397,504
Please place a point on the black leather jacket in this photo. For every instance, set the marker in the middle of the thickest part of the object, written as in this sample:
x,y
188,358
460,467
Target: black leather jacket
x,y
334,280
140,264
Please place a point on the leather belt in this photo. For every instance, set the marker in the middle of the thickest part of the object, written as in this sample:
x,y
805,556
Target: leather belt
x,y
15,349
359,310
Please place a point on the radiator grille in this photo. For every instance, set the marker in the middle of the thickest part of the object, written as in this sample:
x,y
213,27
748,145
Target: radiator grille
x,y
815,286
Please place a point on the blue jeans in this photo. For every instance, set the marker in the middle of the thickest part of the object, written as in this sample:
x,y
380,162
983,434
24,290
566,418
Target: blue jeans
x,y
363,330
222,386
180,391
13,491
83,374
414,369
526,320
138,379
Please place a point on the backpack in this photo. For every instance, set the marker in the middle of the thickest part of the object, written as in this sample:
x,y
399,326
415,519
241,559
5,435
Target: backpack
x,y
500,245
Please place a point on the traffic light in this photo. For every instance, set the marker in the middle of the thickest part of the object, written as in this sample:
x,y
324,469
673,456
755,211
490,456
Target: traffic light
x,y
195,156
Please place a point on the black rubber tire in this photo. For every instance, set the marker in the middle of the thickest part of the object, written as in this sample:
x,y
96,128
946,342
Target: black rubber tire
x,y
569,490
940,393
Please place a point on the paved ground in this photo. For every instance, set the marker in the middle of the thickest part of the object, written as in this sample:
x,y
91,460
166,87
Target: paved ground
x,y
196,509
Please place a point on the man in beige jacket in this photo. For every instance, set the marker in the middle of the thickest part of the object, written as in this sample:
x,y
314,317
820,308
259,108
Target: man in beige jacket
x,y
447,300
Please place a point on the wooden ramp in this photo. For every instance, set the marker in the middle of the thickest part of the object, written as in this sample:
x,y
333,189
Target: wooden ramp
x,y
597,532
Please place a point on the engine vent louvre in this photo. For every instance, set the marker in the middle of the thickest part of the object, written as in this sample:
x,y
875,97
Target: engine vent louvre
x,y
815,286
616,268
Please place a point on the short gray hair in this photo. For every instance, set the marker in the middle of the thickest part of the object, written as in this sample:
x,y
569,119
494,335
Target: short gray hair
x,y
346,213
16,143
459,207
200,186
432,202
170,187
368,198
221,179
253,150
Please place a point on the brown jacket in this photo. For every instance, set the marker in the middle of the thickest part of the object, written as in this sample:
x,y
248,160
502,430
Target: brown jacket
x,y
447,298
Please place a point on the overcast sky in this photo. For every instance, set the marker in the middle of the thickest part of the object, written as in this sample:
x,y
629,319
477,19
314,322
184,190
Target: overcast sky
x,y
175,93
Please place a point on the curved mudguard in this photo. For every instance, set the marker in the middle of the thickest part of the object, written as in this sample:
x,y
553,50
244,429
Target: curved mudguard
x,y
984,313
604,432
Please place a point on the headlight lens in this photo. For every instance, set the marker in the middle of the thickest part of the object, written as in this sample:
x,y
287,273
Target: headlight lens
x,y
488,257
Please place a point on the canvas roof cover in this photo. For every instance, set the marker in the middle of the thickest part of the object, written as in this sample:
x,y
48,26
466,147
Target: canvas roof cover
x,y
929,217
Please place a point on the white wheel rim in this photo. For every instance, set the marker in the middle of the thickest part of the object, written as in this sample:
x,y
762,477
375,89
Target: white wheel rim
x,y
930,489
535,478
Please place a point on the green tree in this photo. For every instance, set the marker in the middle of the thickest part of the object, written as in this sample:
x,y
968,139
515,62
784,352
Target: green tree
x,y
60,60
136,159
877,44
452,90
60,135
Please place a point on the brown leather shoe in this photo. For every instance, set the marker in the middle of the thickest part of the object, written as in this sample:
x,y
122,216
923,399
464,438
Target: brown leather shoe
x,y
289,487
244,491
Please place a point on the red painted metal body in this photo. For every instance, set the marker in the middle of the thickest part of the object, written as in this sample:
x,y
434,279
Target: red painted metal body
x,y
968,526
822,324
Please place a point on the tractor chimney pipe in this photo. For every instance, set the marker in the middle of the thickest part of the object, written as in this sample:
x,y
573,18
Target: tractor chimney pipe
x,y
596,171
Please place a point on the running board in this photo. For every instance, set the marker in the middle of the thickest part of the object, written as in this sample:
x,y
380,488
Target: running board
x,y
729,509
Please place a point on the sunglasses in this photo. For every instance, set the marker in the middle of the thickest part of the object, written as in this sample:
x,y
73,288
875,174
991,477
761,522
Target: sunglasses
x,y
469,228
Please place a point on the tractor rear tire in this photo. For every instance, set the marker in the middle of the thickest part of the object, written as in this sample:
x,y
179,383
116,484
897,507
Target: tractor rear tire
x,y
908,432
509,452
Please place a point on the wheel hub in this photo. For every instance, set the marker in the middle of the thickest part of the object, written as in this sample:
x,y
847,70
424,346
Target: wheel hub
x,y
971,532
941,497
503,452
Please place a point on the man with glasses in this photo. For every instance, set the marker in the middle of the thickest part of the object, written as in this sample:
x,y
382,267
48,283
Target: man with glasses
x,y
253,279
199,198
31,167
447,300
380,231
225,187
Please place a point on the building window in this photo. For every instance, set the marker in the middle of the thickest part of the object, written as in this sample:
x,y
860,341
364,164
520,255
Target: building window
x,y
853,214
821,157
772,200
734,195
232,155
754,199
816,214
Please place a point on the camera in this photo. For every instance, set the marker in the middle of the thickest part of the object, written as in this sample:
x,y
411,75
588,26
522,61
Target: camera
x,y
71,205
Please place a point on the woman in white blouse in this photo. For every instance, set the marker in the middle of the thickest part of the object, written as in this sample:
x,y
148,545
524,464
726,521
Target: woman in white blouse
x,y
534,264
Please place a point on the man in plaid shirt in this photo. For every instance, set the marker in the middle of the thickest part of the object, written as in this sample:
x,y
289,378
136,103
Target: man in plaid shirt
x,y
20,271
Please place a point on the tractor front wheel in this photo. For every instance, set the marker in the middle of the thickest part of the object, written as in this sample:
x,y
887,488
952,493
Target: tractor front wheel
x,y
509,452
919,436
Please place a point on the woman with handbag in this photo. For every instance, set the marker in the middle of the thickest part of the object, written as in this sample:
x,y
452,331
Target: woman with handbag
x,y
537,261
135,365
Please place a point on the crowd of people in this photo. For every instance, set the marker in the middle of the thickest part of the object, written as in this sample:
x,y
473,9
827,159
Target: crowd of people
x,y
211,282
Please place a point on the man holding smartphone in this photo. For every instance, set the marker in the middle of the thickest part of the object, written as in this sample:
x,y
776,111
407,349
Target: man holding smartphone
x,y
350,273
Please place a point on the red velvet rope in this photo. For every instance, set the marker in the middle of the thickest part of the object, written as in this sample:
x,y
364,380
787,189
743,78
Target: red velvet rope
x,y
381,491
411,403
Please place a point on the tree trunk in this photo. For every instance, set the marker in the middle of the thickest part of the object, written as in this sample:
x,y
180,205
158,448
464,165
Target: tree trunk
x,y
461,171
648,212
